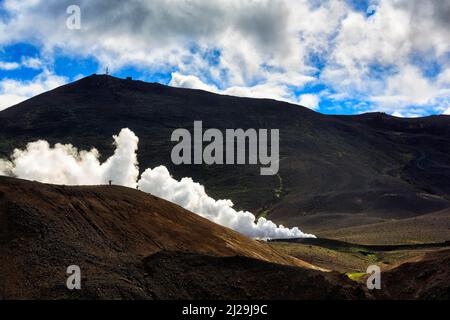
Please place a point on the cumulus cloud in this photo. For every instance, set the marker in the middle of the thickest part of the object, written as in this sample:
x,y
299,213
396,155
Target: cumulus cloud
x,y
408,87
275,89
31,62
257,48
15,91
191,82
373,58
310,101
9,65
64,164
28,62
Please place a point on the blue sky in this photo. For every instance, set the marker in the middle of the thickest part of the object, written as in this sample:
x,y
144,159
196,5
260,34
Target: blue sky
x,y
336,57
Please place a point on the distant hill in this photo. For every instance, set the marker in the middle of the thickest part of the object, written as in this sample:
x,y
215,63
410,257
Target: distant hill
x,y
335,171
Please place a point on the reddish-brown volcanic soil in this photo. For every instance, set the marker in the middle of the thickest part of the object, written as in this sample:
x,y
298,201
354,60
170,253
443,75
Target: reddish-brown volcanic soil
x,y
113,234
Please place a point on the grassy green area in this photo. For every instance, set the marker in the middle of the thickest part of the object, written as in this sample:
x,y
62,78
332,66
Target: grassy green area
x,y
355,276
279,191
371,256
263,214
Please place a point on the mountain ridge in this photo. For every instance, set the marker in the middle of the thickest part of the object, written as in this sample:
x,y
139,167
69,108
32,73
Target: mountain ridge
x,y
114,233
334,170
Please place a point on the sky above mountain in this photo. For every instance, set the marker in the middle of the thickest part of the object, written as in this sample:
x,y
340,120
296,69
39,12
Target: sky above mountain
x,y
336,57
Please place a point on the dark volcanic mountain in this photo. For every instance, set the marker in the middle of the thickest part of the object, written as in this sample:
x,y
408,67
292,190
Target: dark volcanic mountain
x,y
335,171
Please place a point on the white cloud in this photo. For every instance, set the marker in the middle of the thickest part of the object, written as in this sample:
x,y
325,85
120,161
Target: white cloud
x,y
407,87
274,89
31,62
28,62
15,91
310,101
444,78
9,65
191,82
254,38
387,41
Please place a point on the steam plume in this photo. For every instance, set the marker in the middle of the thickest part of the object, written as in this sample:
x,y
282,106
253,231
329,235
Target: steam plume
x,y
64,164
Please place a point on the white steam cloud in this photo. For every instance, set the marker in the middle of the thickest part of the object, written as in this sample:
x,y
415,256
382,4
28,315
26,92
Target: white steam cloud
x,y
64,164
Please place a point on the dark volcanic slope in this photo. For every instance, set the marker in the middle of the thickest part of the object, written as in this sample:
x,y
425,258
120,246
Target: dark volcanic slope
x,y
129,244
245,278
428,278
335,171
